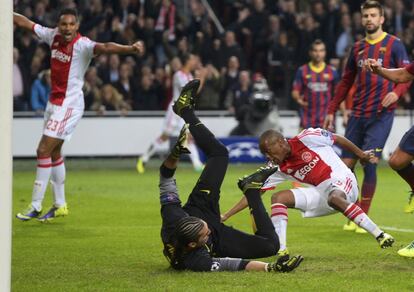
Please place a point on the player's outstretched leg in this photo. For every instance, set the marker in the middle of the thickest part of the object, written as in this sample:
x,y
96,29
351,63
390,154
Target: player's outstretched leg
x,y
337,200
250,186
407,251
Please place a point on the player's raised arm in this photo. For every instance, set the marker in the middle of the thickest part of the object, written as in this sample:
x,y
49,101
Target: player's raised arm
x,y
114,48
22,21
399,75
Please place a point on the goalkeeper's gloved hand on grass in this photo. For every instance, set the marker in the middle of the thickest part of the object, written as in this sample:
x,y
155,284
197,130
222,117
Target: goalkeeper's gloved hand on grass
x,y
286,266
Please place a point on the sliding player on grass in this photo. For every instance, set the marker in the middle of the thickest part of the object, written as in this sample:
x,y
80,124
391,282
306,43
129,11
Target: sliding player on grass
x,y
402,158
193,236
309,158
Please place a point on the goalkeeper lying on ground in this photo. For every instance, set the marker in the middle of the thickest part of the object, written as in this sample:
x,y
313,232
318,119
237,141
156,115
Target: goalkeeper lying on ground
x,y
193,236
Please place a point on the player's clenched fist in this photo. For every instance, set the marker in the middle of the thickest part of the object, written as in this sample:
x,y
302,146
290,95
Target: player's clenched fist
x,y
139,47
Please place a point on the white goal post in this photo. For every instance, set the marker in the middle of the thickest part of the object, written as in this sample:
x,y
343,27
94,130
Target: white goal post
x,y
6,112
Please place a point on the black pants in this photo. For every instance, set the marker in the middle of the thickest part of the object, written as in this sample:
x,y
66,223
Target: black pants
x,y
203,203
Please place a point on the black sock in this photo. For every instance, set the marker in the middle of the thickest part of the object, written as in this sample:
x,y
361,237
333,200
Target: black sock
x,y
166,172
189,116
263,223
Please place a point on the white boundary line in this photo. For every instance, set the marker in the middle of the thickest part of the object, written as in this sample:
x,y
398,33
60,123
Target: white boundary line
x,y
397,229
6,162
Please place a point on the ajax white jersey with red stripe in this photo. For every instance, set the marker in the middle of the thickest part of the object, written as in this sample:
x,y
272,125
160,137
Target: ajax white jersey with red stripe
x,y
180,79
312,160
68,64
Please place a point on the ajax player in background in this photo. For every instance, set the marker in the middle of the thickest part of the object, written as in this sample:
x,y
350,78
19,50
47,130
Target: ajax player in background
x,y
71,54
401,159
374,101
173,123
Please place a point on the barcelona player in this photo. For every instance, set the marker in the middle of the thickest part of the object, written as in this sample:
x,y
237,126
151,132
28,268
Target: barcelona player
x,y
374,100
313,87
402,157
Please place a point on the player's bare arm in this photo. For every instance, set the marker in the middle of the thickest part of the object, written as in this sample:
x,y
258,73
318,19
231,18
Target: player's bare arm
x,y
299,98
364,156
22,21
398,75
239,206
114,48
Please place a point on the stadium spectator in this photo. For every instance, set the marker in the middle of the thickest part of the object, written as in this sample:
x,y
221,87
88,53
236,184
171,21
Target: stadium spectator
x,y
281,59
125,20
110,100
345,38
210,93
231,48
125,86
165,29
40,92
19,104
71,55
92,87
230,78
375,99
146,97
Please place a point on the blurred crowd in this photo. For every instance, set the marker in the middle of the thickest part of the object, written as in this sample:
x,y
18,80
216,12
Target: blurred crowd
x,y
270,37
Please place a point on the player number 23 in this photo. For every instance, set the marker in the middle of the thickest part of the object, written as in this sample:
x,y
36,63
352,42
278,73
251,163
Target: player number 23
x,y
52,125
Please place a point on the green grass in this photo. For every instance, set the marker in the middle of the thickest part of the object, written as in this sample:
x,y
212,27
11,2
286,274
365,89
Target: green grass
x,y
111,242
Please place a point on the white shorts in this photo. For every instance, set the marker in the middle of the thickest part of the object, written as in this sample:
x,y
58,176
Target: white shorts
x,y
172,122
60,122
313,201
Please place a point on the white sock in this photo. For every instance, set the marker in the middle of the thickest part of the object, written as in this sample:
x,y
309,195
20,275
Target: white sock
x,y
58,182
194,156
44,169
279,218
155,147
355,213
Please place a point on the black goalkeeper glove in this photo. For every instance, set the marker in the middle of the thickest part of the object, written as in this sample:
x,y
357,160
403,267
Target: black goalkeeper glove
x,y
286,266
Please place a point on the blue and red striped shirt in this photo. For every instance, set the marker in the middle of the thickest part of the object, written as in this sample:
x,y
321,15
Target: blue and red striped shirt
x,y
371,88
316,86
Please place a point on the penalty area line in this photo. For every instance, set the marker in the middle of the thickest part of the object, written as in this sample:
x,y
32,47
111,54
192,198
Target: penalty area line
x,y
397,229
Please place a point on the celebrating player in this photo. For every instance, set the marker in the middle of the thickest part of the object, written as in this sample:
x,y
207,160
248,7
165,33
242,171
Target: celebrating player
x,y
313,87
375,98
71,54
309,158
173,123
401,159
193,236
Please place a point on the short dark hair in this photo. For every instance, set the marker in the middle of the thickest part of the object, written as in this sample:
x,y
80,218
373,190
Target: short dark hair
x,y
373,4
315,43
185,57
69,11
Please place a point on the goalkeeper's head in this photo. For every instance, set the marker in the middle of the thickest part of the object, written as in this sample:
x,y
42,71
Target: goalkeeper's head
x,y
191,232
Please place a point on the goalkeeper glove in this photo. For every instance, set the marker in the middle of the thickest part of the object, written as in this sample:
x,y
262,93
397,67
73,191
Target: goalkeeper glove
x,y
286,266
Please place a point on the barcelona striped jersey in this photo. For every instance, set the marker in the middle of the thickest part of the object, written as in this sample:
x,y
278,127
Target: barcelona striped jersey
x,y
316,85
371,88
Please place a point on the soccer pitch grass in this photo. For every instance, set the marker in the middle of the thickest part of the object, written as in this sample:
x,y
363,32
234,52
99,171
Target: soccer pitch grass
x,y
111,239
